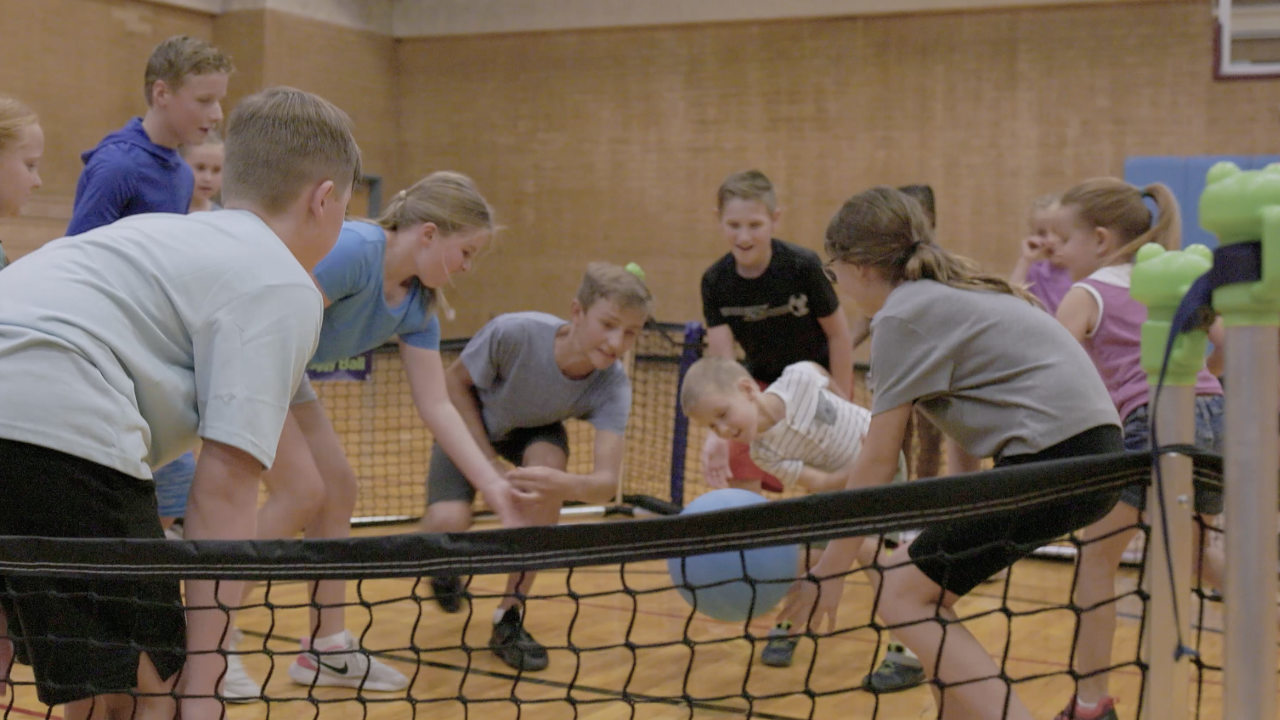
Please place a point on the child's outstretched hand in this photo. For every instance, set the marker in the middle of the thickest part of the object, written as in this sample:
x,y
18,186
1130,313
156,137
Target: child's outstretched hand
x,y
811,603
715,461
500,497
537,484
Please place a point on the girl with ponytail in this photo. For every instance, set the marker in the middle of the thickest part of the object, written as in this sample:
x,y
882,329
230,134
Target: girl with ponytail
x,y
1098,227
996,374
382,281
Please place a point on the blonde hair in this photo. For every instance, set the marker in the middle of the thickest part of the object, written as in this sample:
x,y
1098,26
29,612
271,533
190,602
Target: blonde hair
x,y
885,229
710,376
281,140
1114,204
212,138
450,200
1042,203
14,116
613,282
747,185
179,56
923,194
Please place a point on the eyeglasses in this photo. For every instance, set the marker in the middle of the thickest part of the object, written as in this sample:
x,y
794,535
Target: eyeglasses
x,y
830,272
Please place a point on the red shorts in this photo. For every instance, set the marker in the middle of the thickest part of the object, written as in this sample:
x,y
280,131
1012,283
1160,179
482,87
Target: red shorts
x,y
742,468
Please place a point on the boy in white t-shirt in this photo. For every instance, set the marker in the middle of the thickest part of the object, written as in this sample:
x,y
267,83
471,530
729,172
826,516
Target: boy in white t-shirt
x,y
799,430
118,348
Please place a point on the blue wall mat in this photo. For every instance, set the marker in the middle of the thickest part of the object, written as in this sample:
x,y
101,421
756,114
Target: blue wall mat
x,y
1185,176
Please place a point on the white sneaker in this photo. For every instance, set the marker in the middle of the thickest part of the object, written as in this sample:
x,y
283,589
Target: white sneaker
x,y
237,686
345,665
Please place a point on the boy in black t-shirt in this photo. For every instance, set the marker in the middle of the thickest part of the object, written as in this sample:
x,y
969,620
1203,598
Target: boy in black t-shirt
x,y
773,298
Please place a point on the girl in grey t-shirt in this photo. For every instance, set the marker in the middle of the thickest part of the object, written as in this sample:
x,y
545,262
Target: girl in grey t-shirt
x,y
996,374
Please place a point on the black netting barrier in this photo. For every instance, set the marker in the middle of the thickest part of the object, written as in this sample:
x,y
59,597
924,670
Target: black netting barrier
x,y
610,608
389,447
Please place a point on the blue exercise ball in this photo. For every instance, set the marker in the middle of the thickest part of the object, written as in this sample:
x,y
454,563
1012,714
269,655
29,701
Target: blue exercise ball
x,y
736,585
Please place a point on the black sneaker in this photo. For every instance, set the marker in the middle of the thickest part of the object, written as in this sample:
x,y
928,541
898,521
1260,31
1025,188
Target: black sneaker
x,y
448,593
514,645
893,675
781,647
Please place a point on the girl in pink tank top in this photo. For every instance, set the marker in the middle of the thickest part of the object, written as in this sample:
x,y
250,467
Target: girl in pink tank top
x,y
1099,225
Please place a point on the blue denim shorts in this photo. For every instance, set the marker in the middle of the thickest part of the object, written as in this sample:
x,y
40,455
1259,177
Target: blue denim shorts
x,y
1137,436
173,484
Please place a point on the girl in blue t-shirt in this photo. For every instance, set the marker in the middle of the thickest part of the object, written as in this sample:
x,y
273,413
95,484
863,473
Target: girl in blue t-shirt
x,y
380,281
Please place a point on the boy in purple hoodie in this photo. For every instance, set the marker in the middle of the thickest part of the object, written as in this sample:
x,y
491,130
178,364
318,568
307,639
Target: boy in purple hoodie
x,y
137,169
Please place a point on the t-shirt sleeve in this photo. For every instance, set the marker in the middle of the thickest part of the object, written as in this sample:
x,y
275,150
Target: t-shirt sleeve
x,y
611,403
906,365
427,338
805,375
104,191
343,271
487,352
710,303
249,357
822,297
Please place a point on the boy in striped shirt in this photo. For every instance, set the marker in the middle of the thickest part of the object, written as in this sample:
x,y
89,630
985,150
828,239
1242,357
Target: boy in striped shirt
x,y
798,428
799,431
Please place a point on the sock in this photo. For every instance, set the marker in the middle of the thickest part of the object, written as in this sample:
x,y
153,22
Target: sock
x,y
899,653
333,641
1082,705
501,612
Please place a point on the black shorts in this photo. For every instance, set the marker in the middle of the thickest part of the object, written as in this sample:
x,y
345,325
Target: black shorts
x,y
84,637
960,555
446,482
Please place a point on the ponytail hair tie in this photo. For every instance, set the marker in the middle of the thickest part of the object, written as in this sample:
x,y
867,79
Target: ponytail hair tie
x,y
635,269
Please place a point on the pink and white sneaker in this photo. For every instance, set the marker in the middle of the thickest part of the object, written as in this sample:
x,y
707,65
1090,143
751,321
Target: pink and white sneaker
x,y
344,664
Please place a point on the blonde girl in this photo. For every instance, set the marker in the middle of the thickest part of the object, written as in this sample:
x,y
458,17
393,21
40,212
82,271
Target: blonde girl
x,y
382,280
1098,226
21,145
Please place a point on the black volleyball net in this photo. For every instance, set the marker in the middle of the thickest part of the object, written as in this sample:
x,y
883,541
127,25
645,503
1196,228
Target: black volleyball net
x,y
389,447
623,609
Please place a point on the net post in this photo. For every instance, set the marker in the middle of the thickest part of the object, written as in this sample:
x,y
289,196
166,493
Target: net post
x,y
629,364
1160,280
1244,207
694,334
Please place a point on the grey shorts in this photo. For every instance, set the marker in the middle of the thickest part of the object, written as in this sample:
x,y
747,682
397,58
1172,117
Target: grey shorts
x,y
446,482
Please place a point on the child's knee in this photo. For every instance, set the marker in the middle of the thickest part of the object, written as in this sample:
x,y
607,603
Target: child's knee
x,y
301,496
342,489
448,516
